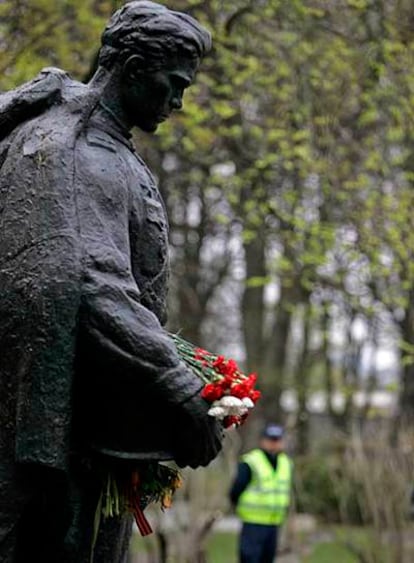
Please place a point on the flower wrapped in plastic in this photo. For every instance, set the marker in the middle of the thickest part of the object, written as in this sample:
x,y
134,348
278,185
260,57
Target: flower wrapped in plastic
x,y
232,394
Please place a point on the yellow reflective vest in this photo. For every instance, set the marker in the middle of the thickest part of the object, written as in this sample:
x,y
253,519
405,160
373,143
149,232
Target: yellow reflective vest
x,y
266,498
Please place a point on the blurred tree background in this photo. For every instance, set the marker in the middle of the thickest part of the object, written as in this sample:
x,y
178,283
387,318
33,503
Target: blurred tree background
x,y
288,179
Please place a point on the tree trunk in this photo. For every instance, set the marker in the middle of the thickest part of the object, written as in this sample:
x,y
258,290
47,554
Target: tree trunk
x,y
301,378
406,399
253,302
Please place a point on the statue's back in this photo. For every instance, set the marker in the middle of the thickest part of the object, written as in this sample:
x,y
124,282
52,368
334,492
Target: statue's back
x,y
40,267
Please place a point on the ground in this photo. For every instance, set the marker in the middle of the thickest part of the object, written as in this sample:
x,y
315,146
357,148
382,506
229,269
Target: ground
x,y
310,542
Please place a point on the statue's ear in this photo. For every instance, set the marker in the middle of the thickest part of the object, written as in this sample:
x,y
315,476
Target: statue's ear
x,y
133,68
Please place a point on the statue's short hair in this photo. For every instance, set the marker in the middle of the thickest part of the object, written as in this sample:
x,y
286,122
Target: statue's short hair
x,y
152,31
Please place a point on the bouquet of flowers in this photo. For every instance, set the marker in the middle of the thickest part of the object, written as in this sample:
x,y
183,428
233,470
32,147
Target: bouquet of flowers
x,y
232,395
132,490
230,392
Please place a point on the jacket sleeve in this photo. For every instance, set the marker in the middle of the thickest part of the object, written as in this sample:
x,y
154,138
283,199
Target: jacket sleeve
x,y
240,482
116,325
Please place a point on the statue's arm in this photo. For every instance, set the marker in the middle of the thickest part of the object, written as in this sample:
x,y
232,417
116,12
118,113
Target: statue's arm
x,y
111,311
118,326
131,335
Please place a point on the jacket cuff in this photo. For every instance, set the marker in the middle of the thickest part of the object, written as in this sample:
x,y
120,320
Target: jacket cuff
x,y
179,384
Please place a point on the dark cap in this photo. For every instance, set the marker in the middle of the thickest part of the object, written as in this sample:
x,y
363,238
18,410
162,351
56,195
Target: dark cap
x,y
273,432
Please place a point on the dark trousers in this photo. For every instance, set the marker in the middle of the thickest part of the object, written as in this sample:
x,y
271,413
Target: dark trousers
x,y
258,543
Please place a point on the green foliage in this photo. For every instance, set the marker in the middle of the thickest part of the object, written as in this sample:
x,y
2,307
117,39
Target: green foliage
x,y
297,136
324,490
40,33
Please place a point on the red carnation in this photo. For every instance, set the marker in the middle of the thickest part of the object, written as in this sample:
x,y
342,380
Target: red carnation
x,y
240,391
255,395
243,418
226,382
231,368
230,420
220,365
252,378
212,392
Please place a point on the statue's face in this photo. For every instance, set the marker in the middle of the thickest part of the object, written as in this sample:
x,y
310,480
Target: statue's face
x,y
149,97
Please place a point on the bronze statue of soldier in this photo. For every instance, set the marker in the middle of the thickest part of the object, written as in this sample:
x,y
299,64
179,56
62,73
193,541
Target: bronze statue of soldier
x,y
88,375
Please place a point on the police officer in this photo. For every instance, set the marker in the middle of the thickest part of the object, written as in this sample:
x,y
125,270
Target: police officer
x,y
260,494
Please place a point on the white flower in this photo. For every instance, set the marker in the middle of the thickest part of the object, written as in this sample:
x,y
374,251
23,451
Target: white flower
x,y
247,402
230,406
217,412
229,401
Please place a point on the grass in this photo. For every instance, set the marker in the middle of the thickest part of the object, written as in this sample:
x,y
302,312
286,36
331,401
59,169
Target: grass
x,y
330,552
348,541
222,547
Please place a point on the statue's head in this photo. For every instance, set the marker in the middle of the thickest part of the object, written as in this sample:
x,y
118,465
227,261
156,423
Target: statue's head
x,y
156,52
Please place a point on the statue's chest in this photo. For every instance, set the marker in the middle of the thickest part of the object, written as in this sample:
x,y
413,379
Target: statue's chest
x,y
153,231
149,239
153,241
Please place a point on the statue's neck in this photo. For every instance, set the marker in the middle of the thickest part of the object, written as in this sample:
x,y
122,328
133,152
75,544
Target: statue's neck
x,y
110,100
109,121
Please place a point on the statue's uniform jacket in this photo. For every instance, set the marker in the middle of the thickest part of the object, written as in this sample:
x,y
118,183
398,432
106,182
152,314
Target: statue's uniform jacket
x,y
84,360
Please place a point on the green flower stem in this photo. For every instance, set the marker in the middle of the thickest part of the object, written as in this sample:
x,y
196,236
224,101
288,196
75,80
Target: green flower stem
x,y
201,363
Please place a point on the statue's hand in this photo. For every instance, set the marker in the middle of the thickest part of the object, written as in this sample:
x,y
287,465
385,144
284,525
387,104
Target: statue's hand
x,y
199,436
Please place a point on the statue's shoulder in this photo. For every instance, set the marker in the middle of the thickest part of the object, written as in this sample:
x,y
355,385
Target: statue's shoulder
x,y
101,158
41,116
51,87
102,144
